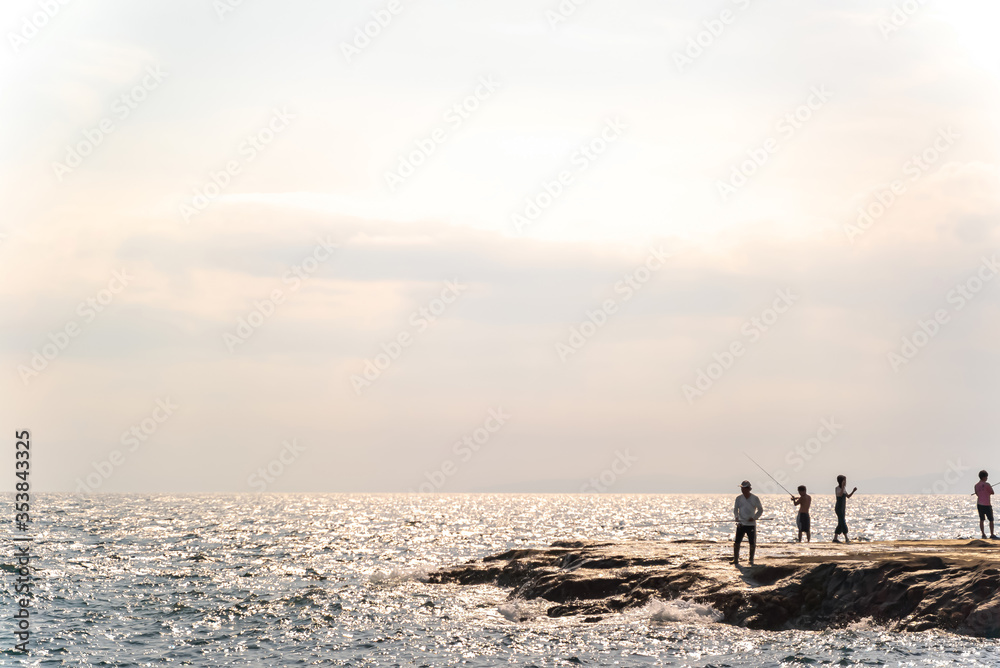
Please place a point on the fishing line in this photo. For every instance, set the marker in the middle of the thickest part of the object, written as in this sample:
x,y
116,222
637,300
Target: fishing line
x,y
683,522
768,474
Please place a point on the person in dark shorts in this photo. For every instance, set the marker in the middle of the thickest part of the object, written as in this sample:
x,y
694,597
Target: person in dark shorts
x,y
746,511
803,501
984,504
840,507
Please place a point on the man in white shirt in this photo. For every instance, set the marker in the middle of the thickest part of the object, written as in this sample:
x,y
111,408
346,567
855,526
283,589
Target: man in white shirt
x,y
746,510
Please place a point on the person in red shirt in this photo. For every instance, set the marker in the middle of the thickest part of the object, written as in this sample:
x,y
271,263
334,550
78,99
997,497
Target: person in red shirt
x,y
984,505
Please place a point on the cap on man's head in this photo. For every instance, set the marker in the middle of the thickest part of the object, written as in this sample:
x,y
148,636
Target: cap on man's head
x,y
745,484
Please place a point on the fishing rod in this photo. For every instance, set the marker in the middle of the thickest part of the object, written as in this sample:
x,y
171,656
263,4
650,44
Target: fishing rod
x,y
768,474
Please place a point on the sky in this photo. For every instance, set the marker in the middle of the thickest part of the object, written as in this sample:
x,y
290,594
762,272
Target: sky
x,y
574,246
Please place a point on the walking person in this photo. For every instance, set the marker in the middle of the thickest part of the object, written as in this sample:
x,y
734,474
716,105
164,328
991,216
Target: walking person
x,y
840,507
747,510
984,504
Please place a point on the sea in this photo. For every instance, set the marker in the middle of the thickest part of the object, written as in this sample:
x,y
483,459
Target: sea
x,y
340,580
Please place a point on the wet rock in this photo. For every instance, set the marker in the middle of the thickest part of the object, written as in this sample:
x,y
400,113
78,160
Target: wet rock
x,y
907,585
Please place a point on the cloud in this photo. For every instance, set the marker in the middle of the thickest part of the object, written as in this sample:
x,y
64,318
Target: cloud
x,y
542,325
497,343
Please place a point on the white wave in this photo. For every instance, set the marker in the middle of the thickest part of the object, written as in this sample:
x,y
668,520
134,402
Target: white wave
x,y
862,625
397,575
519,611
679,610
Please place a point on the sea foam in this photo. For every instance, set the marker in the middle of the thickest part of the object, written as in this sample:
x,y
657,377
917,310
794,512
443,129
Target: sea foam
x,y
398,575
679,610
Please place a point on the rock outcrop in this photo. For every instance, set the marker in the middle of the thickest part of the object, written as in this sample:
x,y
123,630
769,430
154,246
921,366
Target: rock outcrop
x,y
907,585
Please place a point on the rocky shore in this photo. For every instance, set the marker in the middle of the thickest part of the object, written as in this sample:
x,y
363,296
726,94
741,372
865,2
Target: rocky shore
x,y
905,585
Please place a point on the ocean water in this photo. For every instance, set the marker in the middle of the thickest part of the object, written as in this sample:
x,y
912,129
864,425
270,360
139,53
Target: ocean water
x,y
337,580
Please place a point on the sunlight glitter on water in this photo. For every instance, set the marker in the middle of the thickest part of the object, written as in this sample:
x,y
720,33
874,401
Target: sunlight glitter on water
x,y
279,580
